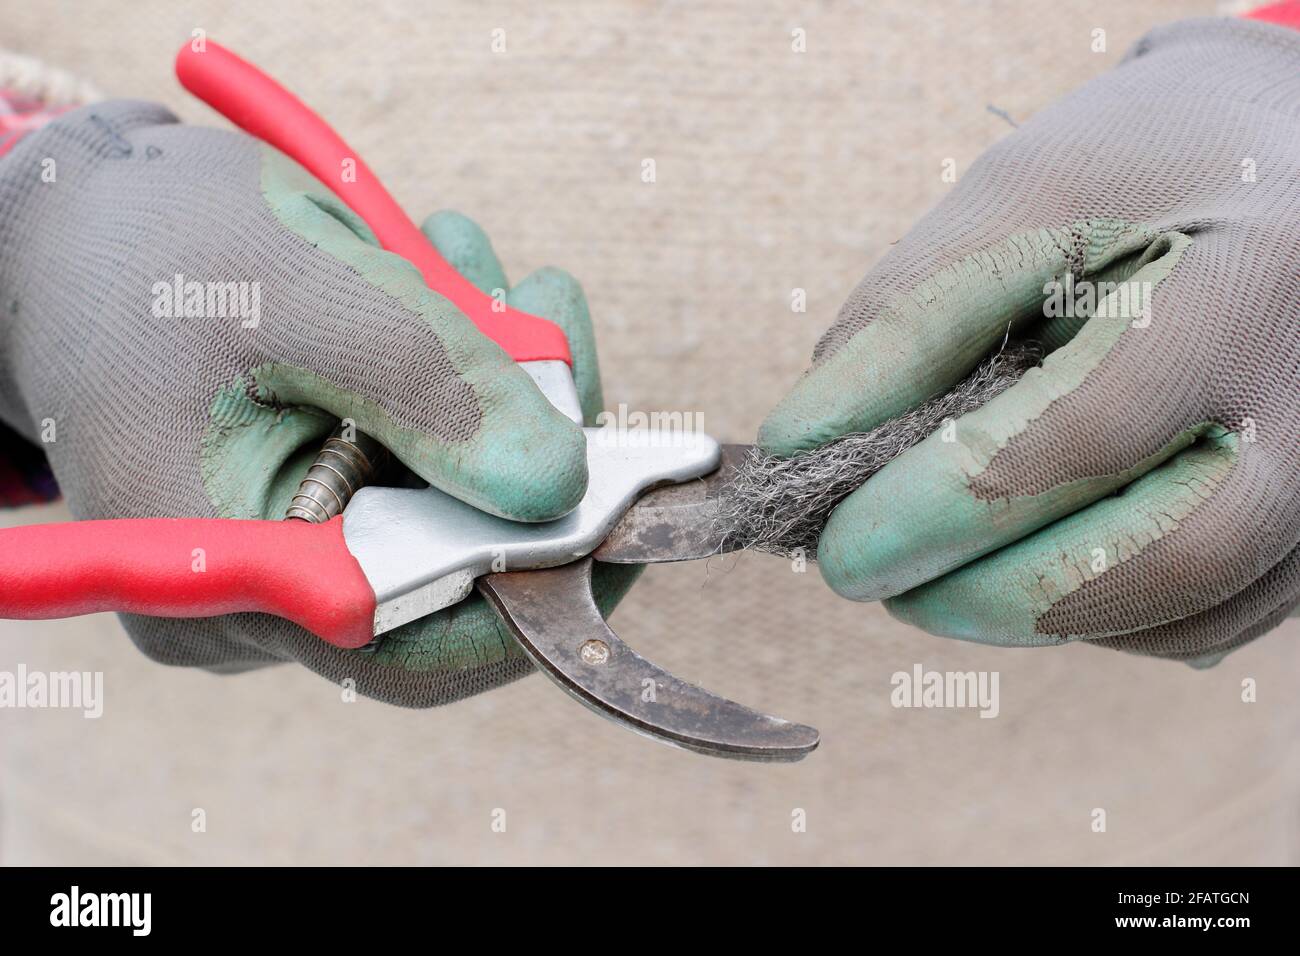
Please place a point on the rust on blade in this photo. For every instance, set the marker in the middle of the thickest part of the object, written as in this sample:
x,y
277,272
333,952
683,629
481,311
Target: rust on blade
x,y
674,523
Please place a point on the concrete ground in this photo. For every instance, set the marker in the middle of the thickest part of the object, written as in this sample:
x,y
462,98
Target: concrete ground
x,y
775,170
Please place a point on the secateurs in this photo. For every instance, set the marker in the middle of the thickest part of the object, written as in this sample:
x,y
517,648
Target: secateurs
x,y
396,554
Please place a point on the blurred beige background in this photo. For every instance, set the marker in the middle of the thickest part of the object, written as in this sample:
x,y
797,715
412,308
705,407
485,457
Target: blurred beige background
x,y
775,170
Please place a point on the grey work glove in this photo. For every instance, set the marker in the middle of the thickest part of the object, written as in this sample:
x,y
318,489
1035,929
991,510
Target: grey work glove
x,y
146,408
1142,489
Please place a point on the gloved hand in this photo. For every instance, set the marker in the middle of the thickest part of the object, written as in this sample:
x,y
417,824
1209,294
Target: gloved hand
x,y
154,404
1141,490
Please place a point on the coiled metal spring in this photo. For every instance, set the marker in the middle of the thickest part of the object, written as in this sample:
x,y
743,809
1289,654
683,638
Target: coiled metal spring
x,y
349,460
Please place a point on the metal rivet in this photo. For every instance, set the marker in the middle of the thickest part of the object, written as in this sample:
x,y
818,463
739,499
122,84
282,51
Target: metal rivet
x,y
594,652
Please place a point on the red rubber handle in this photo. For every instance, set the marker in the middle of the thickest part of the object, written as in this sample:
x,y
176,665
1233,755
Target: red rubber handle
x,y
189,567
263,108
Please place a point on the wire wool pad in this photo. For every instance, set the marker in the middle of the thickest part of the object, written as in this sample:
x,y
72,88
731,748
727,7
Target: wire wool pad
x,y
779,505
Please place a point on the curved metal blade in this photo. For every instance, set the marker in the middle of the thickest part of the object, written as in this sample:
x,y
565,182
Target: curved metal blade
x,y
674,523
555,618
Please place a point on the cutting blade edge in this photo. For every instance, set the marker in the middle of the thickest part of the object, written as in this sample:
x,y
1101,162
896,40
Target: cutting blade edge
x,y
554,617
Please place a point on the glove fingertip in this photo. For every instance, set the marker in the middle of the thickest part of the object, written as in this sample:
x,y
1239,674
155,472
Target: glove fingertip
x,y
467,248
783,435
557,296
810,415
932,617
868,549
839,559
531,471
